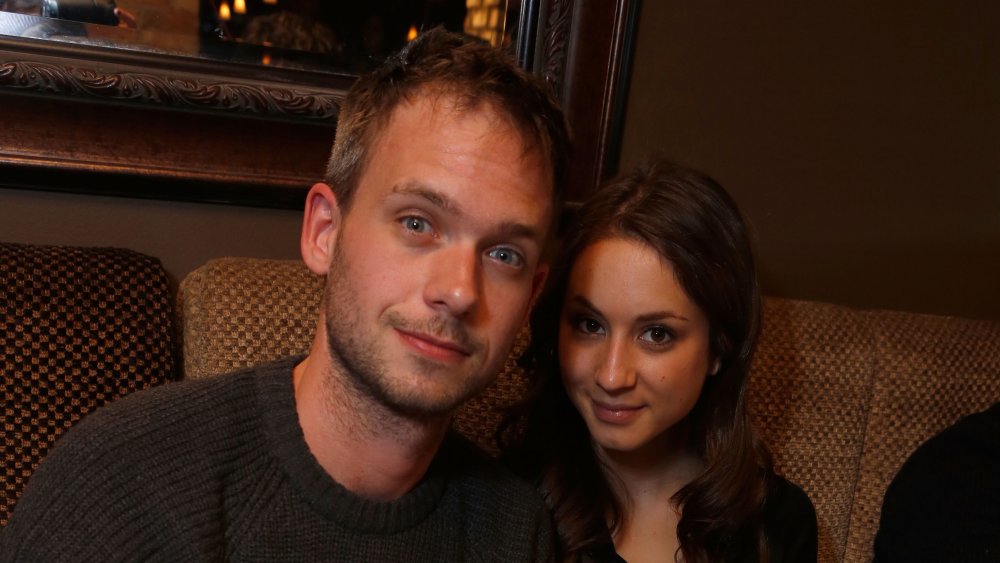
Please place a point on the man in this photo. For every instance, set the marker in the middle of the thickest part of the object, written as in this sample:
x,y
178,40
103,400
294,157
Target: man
x,y
944,504
430,230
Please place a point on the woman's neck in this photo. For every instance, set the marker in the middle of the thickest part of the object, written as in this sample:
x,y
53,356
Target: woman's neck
x,y
645,482
660,467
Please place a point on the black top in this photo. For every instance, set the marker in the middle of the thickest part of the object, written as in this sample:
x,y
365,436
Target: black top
x,y
944,504
218,469
789,522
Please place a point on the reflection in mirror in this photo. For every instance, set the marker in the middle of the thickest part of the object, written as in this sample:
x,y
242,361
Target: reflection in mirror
x,y
103,12
346,37
357,35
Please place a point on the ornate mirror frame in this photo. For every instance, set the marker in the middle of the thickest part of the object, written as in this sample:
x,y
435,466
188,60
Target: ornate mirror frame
x,y
99,120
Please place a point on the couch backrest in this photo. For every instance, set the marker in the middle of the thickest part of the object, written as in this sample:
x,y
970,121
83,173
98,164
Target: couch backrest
x,y
842,396
810,388
81,327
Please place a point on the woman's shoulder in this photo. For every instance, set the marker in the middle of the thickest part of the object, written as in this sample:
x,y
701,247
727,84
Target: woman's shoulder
x,y
785,498
789,522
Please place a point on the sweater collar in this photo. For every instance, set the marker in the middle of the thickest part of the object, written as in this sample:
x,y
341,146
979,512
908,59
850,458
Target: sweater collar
x,y
325,495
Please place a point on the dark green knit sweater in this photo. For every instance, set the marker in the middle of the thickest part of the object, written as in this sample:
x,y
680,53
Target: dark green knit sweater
x,y
218,469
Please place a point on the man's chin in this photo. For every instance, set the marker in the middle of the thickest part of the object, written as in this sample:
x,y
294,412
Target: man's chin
x,y
435,399
421,409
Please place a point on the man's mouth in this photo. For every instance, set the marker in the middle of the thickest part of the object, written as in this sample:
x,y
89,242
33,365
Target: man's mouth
x,y
433,347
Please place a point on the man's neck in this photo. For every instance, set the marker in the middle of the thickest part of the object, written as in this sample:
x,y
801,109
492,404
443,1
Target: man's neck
x,y
370,450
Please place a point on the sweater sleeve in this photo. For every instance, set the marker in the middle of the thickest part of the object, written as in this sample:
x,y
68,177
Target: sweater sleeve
x,y
89,501
127,483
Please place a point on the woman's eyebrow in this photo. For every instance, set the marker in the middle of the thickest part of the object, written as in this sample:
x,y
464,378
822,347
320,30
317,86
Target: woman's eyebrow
x,y
660,315
643,318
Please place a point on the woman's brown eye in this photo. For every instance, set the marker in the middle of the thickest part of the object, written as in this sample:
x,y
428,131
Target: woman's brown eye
x,y
657,335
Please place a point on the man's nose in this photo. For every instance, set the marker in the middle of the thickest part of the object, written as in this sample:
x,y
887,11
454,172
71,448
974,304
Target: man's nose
x,y
454,281
616,371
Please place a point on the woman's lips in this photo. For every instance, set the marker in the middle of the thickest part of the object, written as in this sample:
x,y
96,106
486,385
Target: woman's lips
x,y
615,414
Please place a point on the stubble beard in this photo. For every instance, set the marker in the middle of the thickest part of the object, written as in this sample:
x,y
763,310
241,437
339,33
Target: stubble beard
x,y
355,353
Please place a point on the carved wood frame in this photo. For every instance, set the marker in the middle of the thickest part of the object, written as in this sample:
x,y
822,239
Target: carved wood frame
x,y
247,135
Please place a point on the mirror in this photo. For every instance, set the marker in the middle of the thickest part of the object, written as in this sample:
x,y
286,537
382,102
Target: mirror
x,y
177,102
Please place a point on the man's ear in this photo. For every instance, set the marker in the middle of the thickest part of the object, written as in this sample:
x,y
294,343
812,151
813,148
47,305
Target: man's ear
x,y
716,366
319,228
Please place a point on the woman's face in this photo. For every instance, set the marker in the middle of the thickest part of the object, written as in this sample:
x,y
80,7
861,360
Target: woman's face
x,y
634,348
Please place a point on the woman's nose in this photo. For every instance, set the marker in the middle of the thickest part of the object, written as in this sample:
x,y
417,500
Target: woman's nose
x,y
616,372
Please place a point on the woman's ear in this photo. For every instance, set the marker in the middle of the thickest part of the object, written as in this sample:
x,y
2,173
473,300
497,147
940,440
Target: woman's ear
x,y
319,228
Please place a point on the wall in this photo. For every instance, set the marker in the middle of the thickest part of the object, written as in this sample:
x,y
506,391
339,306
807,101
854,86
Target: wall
x,y
182,235
860,138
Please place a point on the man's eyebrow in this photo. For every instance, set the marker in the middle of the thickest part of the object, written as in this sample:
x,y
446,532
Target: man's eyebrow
x,y
423,191
511,230
507,229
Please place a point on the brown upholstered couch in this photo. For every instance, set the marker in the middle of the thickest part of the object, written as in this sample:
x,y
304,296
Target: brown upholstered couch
x,y
842,395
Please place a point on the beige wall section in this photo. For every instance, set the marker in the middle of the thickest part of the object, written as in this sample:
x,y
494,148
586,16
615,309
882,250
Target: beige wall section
x,y
862,139
182,235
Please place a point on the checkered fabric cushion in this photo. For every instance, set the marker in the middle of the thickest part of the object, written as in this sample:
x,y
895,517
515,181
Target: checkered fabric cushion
x,y
81,327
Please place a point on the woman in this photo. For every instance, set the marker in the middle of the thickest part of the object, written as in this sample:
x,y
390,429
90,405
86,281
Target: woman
x,y
643,447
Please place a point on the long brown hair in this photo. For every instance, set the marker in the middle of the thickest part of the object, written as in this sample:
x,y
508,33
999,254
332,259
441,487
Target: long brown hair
x,y
693,223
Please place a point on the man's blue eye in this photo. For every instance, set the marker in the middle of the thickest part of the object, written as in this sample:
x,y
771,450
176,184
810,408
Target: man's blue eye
x,y
506,256
416,224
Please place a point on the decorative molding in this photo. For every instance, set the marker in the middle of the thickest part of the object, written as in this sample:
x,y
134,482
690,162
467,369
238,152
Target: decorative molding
x,y
556,43
175,91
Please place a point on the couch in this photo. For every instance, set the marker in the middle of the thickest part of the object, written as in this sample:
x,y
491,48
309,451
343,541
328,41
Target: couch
x,y
842,396
81,327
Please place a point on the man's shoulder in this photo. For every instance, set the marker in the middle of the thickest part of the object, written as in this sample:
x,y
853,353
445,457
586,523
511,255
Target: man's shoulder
x,y
141,429
169,407
155,463
505,515
944,499
174,407
956,466
491,486
471,465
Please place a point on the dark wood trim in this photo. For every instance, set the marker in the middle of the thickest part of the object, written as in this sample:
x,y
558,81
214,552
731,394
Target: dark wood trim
x,y
587,57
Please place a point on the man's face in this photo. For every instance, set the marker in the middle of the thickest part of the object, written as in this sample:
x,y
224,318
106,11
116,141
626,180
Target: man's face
x,y
436,263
